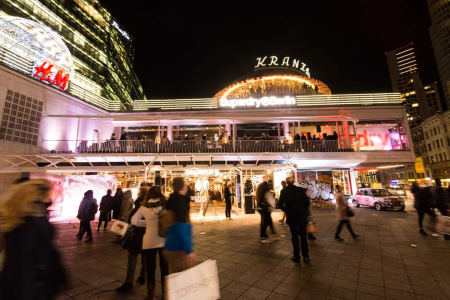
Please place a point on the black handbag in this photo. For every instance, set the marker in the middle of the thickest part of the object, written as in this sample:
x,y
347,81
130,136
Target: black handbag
x,y
127,241
350,212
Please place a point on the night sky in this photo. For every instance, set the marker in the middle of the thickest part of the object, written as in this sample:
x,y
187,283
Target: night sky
x,y
193,49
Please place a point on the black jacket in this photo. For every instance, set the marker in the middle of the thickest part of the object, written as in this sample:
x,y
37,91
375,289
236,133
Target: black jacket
x,y
421,202
227,194
106,207
180,205
84,209
295,203
32,269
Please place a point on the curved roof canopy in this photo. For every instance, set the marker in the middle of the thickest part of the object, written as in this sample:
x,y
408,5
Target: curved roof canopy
x,y
276,81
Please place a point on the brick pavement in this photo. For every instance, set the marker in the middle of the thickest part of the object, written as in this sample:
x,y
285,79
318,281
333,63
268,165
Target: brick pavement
x,y
382,265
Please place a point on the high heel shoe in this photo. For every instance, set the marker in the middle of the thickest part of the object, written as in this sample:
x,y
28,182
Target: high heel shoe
x,y
422,232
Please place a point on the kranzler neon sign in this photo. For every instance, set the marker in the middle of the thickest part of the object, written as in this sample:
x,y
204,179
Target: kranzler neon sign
x,y
47,73
257,103
273,61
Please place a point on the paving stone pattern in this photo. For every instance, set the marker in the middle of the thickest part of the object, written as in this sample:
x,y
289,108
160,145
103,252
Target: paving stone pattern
x,y
382,265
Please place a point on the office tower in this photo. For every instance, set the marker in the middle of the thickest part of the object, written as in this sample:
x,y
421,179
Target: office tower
x,y
421,102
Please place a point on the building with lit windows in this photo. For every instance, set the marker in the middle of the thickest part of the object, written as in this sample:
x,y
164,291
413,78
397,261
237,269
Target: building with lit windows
x,y
101,67
420,101
274,122
440,38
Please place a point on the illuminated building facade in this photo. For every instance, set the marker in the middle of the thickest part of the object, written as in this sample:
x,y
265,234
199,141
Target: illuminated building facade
x,y
420,101
101,68
440,38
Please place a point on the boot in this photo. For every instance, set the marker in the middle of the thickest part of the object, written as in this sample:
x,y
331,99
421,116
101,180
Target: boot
x,y
126,287
338,238
422,232
150,291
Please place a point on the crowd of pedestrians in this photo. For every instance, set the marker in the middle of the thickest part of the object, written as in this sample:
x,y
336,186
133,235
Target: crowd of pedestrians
x,y
162,230
428,199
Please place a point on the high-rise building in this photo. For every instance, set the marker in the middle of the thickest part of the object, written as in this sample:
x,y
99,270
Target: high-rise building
x,y
102,50
421,101
440,38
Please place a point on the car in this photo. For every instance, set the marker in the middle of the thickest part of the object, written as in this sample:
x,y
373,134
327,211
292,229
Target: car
x,y
378,198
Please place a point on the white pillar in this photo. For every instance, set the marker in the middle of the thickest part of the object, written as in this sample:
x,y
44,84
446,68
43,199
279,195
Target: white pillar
x,y
286,129
170,132
220,129
353,184
228,128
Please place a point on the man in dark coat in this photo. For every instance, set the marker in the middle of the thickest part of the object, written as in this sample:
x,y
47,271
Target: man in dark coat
x,y
86,214
117,203
227,196
295,203
105,210
422,205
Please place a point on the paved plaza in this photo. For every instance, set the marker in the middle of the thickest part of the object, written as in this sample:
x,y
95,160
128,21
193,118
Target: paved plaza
x,y
390,261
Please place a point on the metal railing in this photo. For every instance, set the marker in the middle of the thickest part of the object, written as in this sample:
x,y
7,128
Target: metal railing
x,y
201,146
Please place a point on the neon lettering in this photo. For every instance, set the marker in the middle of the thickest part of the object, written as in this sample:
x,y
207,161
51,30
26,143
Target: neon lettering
x,y
285,62
61,80
44,70
273,61
261,62
295,63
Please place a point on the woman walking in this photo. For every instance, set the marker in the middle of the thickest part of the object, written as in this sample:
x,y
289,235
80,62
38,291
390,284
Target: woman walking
x,y
266,202
86,213
32,268
343,209
117,203
152,243
179,246
136,249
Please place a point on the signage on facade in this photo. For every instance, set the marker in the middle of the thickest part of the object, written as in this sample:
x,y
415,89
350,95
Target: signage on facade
x,y
47,73
121,31
419,165
273,61
258,102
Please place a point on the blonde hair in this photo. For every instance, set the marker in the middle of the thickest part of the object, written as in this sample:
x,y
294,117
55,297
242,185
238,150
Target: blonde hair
x,y
19,202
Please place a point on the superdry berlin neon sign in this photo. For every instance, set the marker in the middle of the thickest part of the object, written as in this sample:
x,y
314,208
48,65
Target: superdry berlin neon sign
x,y
257,103
48,74
273,62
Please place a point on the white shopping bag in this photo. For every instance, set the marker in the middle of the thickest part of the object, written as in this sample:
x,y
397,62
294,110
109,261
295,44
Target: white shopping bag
x,y
198,283
443,225
119,227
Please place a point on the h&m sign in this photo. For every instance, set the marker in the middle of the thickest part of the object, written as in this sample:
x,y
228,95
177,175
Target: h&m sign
x,y
47,73
286,62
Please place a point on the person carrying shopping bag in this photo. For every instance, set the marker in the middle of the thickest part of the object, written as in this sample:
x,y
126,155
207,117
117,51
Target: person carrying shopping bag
x,y
152,243
179,249
344,213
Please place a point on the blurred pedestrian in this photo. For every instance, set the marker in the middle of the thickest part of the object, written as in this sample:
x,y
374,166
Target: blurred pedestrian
x,y
283,185
86,213
266,203
139,229
126,207
179,249
343,209
117,203
295,203
32,269
422,205
152,244
105,210
227,196
441,200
